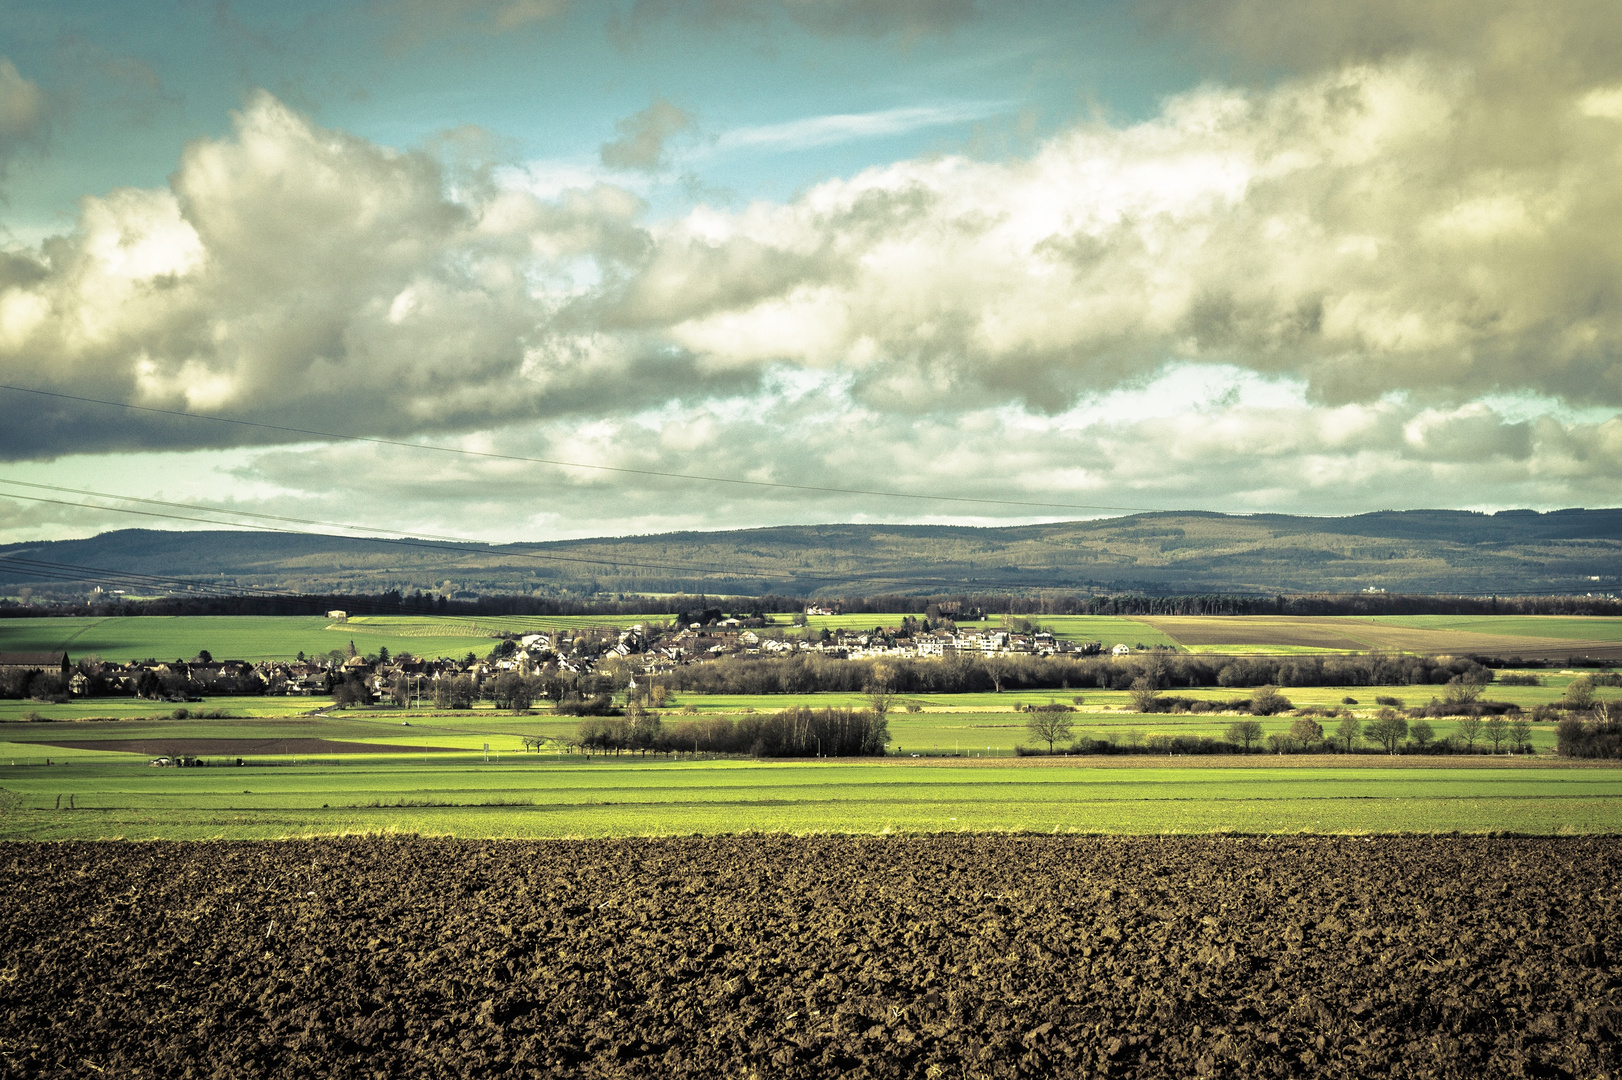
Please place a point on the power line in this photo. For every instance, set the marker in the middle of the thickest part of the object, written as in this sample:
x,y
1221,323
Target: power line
x,y
439,544
400,542
697,477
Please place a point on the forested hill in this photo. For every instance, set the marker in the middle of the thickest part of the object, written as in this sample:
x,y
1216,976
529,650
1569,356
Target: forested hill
x,y
1416,551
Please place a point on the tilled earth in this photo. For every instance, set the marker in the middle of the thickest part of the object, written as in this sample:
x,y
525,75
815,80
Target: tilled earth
x,y
948,956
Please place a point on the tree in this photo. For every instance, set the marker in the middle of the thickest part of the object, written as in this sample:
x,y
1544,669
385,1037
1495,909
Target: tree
x,y
1267,701
204,656
1388,728
1050,725
880,689
1306,731
1469,729
999,668
1244,732
1422,733
1145,694
1580,694
1520,733
400,691
1497,729
1347,732
1460,692
351,692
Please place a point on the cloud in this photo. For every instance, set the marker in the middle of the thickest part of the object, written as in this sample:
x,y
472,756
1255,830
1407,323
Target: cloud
x,y
22,111
1367,228
643,135
1255,445
304,277
813,131
906,20
417,22
1307,294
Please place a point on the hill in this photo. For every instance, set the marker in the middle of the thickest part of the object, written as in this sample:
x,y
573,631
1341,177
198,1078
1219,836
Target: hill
x,y
1418,551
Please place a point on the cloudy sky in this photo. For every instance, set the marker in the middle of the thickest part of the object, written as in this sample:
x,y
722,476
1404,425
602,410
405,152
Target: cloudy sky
x,y
1025,261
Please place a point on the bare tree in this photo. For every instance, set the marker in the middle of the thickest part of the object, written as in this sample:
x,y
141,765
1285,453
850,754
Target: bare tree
x,y
1460,692
1347,732
1497,729
1520,733
1469,729
1267,701
1145,694
880,689
1388,728
1050,725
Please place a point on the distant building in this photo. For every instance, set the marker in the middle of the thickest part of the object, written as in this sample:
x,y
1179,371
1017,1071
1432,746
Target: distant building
x,y
16,663
1122,649
338,616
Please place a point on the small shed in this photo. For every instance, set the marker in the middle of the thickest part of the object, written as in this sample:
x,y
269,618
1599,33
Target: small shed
x,y
338,616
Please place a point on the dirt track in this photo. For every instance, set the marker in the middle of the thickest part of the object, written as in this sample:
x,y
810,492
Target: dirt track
x,y
776,956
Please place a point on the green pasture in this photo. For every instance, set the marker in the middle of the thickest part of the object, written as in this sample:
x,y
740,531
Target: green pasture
x,y
278,637
1559,627
519,797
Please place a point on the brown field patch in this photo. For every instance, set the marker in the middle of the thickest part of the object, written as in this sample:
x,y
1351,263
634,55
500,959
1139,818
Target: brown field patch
x,y
1346,632
882,957
241,747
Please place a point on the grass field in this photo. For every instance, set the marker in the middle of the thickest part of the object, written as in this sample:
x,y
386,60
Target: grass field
x,y
517,797
1532,637
276,637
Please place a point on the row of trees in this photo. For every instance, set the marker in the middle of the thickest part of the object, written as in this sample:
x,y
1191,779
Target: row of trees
x,y
1388,729
801,674
794,732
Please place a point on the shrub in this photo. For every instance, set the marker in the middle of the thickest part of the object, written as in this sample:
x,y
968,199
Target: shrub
x,y
1389,701
600,705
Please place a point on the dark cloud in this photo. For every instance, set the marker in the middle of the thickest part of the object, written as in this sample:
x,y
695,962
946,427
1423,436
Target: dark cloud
x,y
23,112
644,135
905,20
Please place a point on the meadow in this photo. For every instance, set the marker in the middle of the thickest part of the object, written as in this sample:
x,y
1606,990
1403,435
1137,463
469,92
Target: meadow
x,y
519,796
279,637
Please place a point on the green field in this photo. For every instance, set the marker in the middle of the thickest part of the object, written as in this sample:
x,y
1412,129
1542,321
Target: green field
x,y
277,637
515,797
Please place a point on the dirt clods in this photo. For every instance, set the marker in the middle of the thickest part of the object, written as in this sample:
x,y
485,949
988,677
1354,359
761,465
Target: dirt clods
x,y
951,956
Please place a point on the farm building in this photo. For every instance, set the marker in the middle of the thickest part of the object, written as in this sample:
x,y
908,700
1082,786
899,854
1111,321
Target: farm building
x,y
17,663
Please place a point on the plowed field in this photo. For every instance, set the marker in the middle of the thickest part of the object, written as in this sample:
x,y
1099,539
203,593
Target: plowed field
x,y
1355,634
971,956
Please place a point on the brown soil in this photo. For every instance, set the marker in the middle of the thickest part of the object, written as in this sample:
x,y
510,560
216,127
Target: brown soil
x,y
813,957
242,747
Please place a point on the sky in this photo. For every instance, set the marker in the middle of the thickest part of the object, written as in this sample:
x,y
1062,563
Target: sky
x,y
532,269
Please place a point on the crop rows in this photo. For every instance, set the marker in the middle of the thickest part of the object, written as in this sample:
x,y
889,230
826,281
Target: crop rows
x,y
970,956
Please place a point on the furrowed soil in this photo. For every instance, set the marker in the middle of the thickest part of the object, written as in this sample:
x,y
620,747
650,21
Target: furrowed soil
x,y
941,956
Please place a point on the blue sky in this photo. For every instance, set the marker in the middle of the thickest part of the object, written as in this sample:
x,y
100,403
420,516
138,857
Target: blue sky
x,y
1226,255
